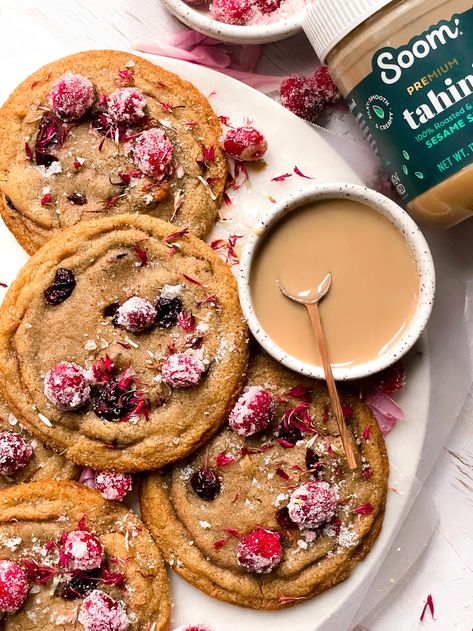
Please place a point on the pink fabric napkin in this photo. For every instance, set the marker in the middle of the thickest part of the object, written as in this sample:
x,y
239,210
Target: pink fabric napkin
x,y
232,59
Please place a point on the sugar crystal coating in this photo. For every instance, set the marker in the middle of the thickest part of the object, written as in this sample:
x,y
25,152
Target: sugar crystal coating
x,y
71,96
113,485
183,370
126,105
135,315
67,386
312,504
83,550
260,552
152,153
15,452
100,612
231,11
13,586
252,412
244,143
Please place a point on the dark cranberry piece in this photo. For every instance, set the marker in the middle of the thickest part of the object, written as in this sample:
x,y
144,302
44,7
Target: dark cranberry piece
x,y
283,519
80,585
168,309
290,434
206,484
103,125
62,287
110,310
312,462
77,198
51,135
112,403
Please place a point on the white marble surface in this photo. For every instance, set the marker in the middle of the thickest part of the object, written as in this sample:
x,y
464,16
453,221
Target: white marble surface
x,y
445,569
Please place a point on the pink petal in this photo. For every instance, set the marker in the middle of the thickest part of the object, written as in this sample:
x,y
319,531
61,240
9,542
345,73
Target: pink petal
x,y
386,411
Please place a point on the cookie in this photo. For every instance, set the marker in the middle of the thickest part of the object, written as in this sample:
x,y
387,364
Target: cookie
x,y
23,458
102,133
122,343
71,560
267,514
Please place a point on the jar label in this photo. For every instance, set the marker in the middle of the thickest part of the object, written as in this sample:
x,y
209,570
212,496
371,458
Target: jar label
x,y
416,107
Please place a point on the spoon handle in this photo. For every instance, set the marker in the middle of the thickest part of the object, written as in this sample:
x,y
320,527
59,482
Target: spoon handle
x,y
314,316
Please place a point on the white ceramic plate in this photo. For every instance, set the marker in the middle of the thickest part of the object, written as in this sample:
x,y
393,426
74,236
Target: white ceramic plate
x,y
291,142
199,19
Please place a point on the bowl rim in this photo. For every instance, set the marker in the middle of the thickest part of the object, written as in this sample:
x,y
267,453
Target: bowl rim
x,y
235,32
415,240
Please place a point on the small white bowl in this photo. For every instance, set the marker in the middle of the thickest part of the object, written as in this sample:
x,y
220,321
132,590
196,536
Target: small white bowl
x,y
403,223
200,20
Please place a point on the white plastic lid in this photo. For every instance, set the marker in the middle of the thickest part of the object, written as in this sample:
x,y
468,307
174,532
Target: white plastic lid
x,y
328,21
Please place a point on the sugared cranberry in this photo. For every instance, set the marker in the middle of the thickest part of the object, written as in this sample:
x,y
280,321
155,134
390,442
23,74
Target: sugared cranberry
x,y
390,380
126,105
15,453
113,485
312,504
100,612
252,412
231,11
167,311
67,386
80,585
268,6
152,153
135,315
183,370
13,586
83,550
71,96
61,288
283,519
206,484
260,551
244,143
113,402
326,86
193,627
312,461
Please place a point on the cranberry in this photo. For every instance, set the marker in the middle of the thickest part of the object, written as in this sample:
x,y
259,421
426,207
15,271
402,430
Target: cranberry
x,y
71,96
390,380
112,402
198,627
326,86
50,137
80,585
206,484
308,96
312,504
231,11
78,199
290,434
183,370
167,311
15,453
111,309
83,550
126,105
244,143
62,287
113,485
260,551
283,519
152,153
135,315
252,412
268,6
67,386
100,612
311,461
13,586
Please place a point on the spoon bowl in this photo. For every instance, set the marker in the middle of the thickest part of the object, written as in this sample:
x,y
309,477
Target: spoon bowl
x,y
307,296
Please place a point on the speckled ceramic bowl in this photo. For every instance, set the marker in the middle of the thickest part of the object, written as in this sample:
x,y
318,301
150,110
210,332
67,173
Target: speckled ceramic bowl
x,y
200,20
403,223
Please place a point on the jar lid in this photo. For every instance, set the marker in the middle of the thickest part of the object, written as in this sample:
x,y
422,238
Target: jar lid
x,y
328,21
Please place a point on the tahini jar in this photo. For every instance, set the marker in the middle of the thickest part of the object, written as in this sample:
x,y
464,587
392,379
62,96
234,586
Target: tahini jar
x,y
405,67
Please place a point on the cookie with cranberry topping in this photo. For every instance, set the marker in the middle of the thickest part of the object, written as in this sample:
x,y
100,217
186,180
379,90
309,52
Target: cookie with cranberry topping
x,y
23,458
102,133
275,517
70,559
141,359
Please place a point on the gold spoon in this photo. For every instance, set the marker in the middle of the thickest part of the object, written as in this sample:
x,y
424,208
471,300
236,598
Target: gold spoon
x,y
310,299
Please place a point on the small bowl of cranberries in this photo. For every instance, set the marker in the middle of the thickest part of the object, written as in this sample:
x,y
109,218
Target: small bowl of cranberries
x,y
241,21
